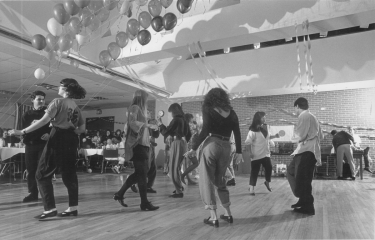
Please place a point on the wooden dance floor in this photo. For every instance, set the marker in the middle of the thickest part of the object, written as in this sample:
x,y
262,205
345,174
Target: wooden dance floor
x,y
344,210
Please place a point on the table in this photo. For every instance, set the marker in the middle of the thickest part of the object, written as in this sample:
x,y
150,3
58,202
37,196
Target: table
x,y
8,152
98,151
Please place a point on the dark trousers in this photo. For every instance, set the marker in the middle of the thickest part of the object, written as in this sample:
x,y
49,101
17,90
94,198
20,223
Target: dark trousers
x,y
300,175
32,156
140,162
255,166
59,153
151,174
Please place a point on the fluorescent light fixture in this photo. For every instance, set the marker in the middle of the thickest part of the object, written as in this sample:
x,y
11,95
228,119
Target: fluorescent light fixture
x,y
323,34
364,25
256,45
288,39
226,50
179,58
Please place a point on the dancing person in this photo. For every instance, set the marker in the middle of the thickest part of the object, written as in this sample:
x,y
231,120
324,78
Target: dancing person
x,y
34,142
258,143
137,147
342,143
151,174
179,130
61,148
307,133
219,121
193,139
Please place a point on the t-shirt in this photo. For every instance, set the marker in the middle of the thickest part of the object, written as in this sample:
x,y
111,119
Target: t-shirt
x,y
65,113
259,144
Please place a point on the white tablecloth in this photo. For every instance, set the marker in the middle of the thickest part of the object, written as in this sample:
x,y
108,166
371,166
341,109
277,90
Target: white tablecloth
x,y
93,151
6,152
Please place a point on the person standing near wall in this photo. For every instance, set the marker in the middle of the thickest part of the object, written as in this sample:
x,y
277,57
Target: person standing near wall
x,y
300,171
342,143
34,142
61,148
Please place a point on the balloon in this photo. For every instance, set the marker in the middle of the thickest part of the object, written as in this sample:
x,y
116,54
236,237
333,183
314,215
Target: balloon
x,y
81,39
187,3
54,27
86,17
157,23
60,14
75,25
39,73
38,41
130,36
129,13
169,21
126,5
62,54
71,7
144,37
133,26
182,8
155,7
82,3
122,39
110,4
141,2
74,63
65,42
51,55
166,3
94,24
95,6
144,19
52,42
114,50
105,58
103,14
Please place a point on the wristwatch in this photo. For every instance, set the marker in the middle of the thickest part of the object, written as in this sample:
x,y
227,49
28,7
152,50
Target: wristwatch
x,y
24,132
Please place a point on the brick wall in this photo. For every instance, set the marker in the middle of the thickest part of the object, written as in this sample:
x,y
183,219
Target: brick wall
x,y
354,107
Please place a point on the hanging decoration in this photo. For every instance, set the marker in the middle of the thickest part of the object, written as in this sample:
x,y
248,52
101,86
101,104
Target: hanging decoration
x,y
39,74
71,7
169,21
38,42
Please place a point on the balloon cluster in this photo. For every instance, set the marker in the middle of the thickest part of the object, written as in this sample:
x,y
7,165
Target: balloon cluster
x,y
72,16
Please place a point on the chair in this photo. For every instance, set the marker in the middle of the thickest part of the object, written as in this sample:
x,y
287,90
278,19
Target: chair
x,y
109,155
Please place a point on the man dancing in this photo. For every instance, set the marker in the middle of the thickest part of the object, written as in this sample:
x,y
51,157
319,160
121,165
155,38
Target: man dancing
x,y
300,171
35,142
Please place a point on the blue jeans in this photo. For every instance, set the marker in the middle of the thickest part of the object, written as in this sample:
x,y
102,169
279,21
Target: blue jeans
x,y
214,161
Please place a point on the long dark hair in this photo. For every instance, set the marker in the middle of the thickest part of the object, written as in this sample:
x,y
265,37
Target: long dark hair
x,y
257,123
176,109
217,98
140,99
73,89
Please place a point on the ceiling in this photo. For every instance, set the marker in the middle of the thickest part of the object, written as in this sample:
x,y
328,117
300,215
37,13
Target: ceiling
x,y
216,24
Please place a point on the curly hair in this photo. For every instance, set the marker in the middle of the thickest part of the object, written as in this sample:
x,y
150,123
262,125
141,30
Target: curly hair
x,y
217,98
37,93
73,89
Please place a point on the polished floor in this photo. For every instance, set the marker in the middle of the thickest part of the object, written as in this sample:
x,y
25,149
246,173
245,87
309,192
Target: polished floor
x,y
344,210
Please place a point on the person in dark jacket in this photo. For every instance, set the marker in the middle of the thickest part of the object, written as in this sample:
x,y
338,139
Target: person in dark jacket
x,y
35,142
342,142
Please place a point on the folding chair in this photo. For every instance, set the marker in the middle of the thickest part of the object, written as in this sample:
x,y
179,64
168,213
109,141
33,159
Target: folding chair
x,y
109,155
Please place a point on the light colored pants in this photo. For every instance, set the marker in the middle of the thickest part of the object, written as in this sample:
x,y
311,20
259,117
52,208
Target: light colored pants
x,y
214,161
177,151
344,150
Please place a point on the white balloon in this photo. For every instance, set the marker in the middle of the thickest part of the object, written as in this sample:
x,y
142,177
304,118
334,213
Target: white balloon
x,y
39,73
81,39
54,27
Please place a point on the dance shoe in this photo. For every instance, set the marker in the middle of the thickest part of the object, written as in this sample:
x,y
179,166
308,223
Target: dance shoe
x,y
268,186
231,182
134,188
116,197
177,195
68,214
43,216
151,190
30,198
305,210
227,218
148,207
214,223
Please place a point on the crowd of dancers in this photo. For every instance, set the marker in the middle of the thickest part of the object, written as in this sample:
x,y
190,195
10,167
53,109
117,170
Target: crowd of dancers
x,y
214,148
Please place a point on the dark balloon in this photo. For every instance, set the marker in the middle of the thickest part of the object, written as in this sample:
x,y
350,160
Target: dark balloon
x,y
60,14
71,7
169,21
38,41
187,3
182,8
144,37
157,24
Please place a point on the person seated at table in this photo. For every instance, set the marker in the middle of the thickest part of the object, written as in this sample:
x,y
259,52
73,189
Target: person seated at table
x,y
85,139
3,139
342,142
110,145
108,135
118,135
357,144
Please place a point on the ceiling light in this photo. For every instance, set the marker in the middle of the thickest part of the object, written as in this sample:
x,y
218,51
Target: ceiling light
x,y
366,25
203,54
179,58
323,34
256,45
288,39
226,50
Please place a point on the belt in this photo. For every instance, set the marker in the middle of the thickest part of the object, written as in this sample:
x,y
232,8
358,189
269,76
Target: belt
x,y
220,137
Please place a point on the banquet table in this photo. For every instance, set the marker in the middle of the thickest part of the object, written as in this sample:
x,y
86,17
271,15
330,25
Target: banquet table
x,y
93,151
8,152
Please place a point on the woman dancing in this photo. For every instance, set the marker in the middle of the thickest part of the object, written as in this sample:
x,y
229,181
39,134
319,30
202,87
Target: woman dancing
x,y
61,148
219,120
137,147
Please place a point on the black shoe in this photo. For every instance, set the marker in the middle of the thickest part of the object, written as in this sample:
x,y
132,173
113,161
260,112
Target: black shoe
x,y
352,178
151,190
340,178
67,214
148,207
214,223
177,195
134,188
30,198
47,215
227,218
367,169
231,182
116,197
181,188
268,186
297,205
306,210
